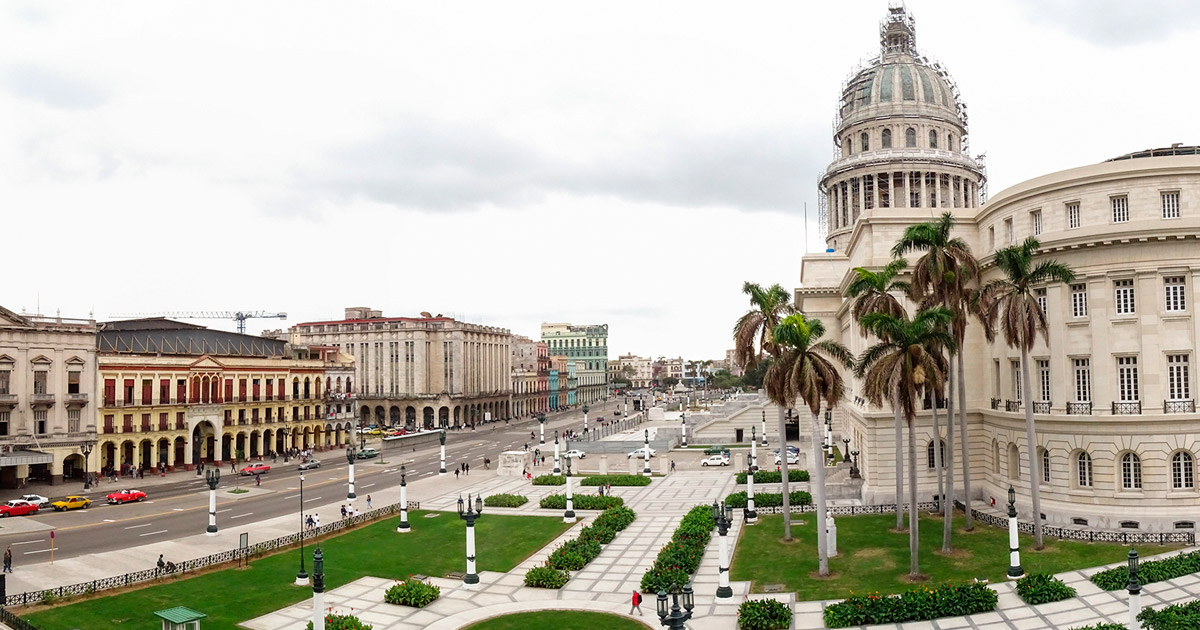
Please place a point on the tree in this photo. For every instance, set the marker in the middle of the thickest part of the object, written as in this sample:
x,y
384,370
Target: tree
x,y
805,370
670,381
897,368
941,277
751,339
872,292
724,379
1010,299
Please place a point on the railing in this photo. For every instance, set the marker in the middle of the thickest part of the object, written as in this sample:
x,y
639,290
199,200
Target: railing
x,y
1089,535
136,577
1131,408
1179,406
926,404
1041,406
995,403
8,399
1079,408
15,622
1012,405
850,510
77,399
42,399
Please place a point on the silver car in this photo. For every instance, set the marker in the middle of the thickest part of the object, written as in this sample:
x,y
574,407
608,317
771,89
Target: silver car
x,y
312,463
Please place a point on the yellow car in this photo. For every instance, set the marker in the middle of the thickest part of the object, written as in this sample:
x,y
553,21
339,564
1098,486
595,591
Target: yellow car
x,y
70,503
375,432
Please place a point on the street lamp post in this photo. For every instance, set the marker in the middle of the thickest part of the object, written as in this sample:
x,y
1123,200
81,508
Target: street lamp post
x,y
764,427
470,514
557,469
828,436
753,449
683,428
86,450
318,581
350,457
302,576
751,516
1014,554
674,617
646,455
1135,592
542,423
626,414
213,477
585,427
403,527
569,514
854,472
442,439
845,450
723,518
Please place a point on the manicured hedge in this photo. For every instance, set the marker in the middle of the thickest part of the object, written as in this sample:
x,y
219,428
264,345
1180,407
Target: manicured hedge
x,y
546,577
1150,571
774,476
615,480
764,614
549,480
1173,617
335,621
505,500
948,600
1043,588
573,555
1102,626
580,502
680,557
768,499
412,592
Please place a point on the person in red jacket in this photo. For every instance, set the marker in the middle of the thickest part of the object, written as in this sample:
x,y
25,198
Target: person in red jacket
x,y
637,603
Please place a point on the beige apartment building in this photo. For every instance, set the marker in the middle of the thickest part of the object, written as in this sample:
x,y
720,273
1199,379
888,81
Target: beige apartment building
x,y
640,372
428,371
524,376
1114,390
47,389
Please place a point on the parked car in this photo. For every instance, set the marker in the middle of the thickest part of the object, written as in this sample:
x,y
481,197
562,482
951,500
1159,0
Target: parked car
x,y
716,450
18,507
575,454
617,413
793,459
255,469
36,499
715,460
71,503
791,449
125,496
367,453
640,452
309,464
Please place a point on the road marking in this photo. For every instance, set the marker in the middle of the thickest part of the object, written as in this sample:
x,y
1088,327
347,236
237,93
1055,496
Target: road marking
x,y
27,542
224,511
311,500
39,551
292,497
241,515
368,485
177,509
161,531
109,520
137,526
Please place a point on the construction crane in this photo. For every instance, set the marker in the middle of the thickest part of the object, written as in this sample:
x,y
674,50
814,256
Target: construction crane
x,y
239,316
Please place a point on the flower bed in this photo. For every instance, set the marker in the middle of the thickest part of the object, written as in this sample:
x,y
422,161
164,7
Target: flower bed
x,y
549,480
580,502
342,622
412,592
680,557
505,500
615,480
948,600
768,499
1043,588
1150,571
764,614
1173,617
774,476
1102,626
546,577
575,554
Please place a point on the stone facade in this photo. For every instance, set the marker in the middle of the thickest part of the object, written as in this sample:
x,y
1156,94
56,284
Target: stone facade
x,y
524,376
642,370
588,345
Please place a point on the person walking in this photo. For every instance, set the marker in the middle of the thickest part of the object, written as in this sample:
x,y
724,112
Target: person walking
x,y
637,604
8,560
672,465
456,470
162,564
467,468
368,501
317,521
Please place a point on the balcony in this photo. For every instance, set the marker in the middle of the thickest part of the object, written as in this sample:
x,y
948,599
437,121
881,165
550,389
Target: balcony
x,y
77,400
41,400
995,403
9,400
1127,408
1012,405
1179,406
1042,406
1079,408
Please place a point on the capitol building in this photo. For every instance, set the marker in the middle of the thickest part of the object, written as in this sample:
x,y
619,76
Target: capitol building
x,y
1114,396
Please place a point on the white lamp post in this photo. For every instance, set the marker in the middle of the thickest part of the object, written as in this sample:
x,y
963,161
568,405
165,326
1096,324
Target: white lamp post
x,y
1134,586
403,527
350,457
764,427
542,421
683,428
213,477
569,514
470,514
646,455
442,439
723,518
557,469
1014,554
753,448
751,515
585,427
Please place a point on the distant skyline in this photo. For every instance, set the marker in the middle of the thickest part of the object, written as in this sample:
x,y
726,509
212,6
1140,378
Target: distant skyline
x,y
505,163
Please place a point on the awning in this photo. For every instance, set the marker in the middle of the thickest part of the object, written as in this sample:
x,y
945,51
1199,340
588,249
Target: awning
x,y
25,457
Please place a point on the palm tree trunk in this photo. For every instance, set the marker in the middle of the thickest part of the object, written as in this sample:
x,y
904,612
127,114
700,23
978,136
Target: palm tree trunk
x,y
899,468
913,565
818,488
783,469
1035,462
937,448
962,437
948,503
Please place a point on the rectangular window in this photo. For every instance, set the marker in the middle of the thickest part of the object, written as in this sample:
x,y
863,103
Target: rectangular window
x,y
1170,205
73,420
1079,302
1036,217
1178,383
164,391
1073,215
147,391
4,417
1044,379
39,382
1124,297
992,237
5,381
1173,289
1008,231
1083,380
1120,209
1040,294
1016,379
73,379
40,420
1127,379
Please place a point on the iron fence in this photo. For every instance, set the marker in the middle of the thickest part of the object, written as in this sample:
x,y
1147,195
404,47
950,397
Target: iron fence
x,y
1087,535
1041,406
1079,408
1179,406
1131,408
15,622
195,564
847,510
1012,405
995,402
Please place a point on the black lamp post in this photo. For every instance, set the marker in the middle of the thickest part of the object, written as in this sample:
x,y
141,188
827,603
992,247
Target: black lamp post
x,y
86,450
350,457
854,472
470,514
750,515
764,429
557,468
1135,591
212,477
318,581
674,617
403,527
302,575
723,518
569,514
845,450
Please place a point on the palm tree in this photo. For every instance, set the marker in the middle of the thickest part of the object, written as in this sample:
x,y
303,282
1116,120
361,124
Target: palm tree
x,y
940,277
805,370
872,292
1011,300
897,368
767,308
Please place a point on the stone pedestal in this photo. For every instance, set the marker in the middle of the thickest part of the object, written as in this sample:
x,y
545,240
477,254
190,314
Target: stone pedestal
x,y
831,533
512,463
635,466
604,464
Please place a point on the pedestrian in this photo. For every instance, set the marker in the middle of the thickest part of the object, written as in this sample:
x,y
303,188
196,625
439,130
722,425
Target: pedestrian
x,y
309,521
8,560
317,521
162,564
232,466
637,603
608,489
368,501
456,473
343,506
672,465
257,480
467,468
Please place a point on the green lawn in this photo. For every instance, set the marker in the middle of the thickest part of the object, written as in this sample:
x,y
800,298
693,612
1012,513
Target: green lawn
x,y
873,558
563,620
435,547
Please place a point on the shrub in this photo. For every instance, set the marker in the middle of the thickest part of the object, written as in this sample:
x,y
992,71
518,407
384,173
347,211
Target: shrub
x,y
412,592
774,476
1103,626
948,600
768,499
764,614
546,577
1173,617
602,535
1043,588
573,555
549,480
341,622
580,502
616,518
1150,571
505,500
681,556
615,480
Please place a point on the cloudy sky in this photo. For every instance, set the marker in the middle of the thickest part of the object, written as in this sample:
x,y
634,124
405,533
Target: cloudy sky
x,y
509,163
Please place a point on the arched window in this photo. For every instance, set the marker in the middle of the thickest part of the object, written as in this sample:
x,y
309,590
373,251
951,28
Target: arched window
x,y
1181,471
995,457
887,138
849,144
1083,465
950,142
1131,472
1045,465
1014,462
866,141
932,139
929,452
910,137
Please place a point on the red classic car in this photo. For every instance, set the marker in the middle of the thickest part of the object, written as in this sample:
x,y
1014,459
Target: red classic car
x,y
17,507
256,469
125,496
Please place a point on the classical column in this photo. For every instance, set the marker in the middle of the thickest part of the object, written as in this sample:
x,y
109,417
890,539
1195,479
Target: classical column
x,y
907,189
